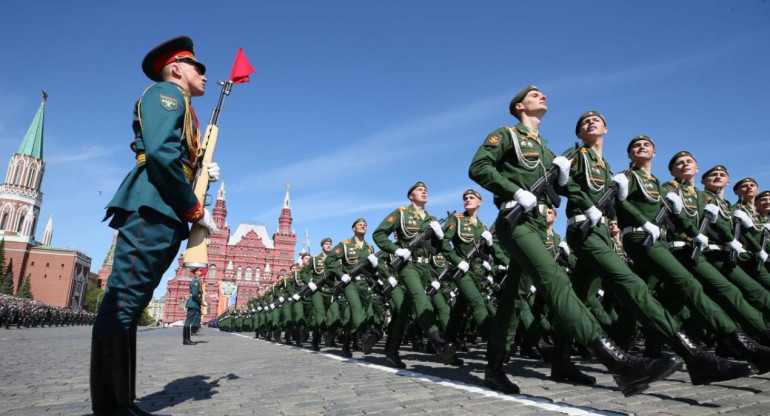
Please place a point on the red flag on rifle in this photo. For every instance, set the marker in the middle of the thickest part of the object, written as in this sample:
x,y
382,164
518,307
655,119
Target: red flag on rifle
x,y
241,68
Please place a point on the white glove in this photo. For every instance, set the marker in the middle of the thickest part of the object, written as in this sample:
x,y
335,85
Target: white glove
x,y
651,229
272,306
487,236
437,229
564,247
526,199
372,260
622,182
736,245
253,310
259,308
502,267
213,169
404,253
345,278
464,266
452,294
208,222
295,296
312,286
393,282
436,285
563,164
490,280
744,218
600,293
701,240
594,215
486,266
281,299
676,202
762,255
532,289
713,210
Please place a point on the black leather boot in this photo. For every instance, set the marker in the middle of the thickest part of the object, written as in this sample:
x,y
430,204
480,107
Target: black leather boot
x,y
186,336
368,339
445,350
704,367
563,370
346,352
653,347
494,376
316,342
298,339
110,375
391,352
632,374
750,349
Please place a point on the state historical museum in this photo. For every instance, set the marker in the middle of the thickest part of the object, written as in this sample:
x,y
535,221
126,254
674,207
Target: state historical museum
x,y
239,264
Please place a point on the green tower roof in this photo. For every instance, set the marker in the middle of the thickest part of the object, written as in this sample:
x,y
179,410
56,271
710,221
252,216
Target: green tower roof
x,y
33,140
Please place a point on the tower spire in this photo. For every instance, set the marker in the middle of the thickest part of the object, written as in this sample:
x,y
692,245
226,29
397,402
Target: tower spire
x,y
286,199
32,145
48,232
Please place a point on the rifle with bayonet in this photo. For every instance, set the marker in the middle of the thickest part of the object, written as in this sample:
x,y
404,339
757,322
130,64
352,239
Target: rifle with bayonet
x,y
662,218
708,218
542,186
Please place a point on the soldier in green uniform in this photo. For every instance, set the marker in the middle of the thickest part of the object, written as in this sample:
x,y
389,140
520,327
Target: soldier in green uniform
x,y
465,231
753,226
151,211
636,216
343,259
718,287
407,223
193,306
313,272
763,205
509,161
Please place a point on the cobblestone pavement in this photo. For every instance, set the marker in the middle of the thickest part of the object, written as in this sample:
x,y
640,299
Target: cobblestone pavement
x,y
45,372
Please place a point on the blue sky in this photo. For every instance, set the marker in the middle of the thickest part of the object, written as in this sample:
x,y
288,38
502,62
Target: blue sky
x,y
355,101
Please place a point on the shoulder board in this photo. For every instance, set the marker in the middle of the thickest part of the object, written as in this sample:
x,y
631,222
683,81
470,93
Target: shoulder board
x,y
403,208
583,150
459,215
346,242
672,183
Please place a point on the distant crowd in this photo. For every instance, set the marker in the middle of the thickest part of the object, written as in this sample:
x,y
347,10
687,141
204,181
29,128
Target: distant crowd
x,y
31,313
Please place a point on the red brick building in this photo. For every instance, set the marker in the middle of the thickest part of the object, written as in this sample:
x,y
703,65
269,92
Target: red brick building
x,y
58,276
239,264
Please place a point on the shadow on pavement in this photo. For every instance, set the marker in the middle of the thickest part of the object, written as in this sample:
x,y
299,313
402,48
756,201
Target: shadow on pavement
x,y
182,390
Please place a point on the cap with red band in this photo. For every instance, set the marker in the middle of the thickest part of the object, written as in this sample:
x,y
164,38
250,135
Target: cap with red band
x,y
177,49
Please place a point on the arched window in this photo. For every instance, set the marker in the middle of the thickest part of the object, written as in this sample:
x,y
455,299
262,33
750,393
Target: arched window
x,y
21,223
248,273
31,178
256,273
240,271
213,271
17,175
4,222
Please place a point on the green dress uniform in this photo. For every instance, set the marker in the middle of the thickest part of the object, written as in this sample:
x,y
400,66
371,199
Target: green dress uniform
x,y
751,239
151,211
438,264
342,259
716,286
717,253
321,297
193,306
464,232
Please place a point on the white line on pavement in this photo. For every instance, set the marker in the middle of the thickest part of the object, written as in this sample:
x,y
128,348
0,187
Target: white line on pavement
x,y
523,399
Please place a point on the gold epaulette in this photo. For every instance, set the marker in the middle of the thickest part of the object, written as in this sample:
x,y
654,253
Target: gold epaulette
x,y
346,242
459,215
403,208
583,150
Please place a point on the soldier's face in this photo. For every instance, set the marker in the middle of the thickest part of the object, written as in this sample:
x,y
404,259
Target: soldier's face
x,y
359,228
748,190
592,126
195,81
642,150
471,201
550,217
614,230
715,180
419,194
306,260
327,247
533,102
684,167
763,205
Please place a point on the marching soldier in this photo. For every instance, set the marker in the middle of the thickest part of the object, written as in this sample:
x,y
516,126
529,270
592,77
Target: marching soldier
x,y
753,228
508,163
313,272
151,210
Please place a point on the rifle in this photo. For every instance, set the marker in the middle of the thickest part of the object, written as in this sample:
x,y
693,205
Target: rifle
x,y
422,240
733,261
544,185
704,225
605,204
196,254
762,246
662,218
458,274
361,268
